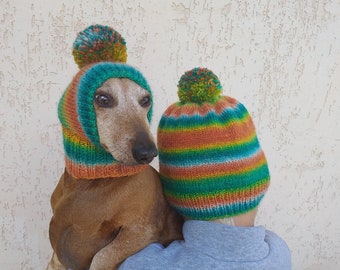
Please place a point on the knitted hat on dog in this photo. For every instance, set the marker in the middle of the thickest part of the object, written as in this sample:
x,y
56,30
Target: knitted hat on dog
x,y
211,162
100,53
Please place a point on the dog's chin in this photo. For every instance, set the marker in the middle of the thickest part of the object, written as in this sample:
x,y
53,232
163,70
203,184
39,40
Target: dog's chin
x,y
133,162
125,160
129,163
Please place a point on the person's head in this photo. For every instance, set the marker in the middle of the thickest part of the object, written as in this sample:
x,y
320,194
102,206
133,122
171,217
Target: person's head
x,y
211,164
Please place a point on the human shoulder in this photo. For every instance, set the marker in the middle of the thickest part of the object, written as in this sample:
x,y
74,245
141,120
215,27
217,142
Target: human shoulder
x,y
154,257
278,250
274,239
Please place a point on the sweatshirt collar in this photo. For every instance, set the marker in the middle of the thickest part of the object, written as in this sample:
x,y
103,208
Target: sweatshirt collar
x,y
226,243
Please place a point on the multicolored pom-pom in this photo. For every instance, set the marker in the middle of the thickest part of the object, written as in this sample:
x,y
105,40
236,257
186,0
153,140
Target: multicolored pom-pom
x,y
99,43
199,85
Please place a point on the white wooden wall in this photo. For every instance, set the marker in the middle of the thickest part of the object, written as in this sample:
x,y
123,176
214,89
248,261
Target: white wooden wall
x,y
280,58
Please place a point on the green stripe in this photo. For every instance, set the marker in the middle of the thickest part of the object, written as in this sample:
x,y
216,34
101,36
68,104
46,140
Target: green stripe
x,y
215,185
87,155
187,195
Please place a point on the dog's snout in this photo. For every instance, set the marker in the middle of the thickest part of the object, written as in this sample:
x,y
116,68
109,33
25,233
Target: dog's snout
x,y
144,155
144,149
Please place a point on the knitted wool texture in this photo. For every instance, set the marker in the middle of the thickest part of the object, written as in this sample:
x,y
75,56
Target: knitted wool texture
x,y
211,162
84,156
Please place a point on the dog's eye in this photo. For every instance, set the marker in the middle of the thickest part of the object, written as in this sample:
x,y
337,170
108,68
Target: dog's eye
x,y
146,101
104,100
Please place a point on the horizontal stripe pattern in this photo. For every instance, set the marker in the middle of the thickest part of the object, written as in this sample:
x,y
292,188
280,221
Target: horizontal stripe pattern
x,y
82,151
217,118
222,197
218,143
177,110
215,185
211,162
83,160
212,171
216,155
235,134
84,171
214,211
213,195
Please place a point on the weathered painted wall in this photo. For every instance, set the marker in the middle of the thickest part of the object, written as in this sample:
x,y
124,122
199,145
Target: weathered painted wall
x,y
280,58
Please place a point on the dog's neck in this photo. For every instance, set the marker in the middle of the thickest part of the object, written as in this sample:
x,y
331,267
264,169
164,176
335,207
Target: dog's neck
x,y
84,160
97,171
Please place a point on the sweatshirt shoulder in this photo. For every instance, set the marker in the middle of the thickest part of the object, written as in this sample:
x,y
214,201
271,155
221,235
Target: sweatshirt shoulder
x,y
145,259
278,250
274,239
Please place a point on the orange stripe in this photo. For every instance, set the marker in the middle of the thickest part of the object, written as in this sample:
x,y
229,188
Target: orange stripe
x,y
216,143
77,138
198,138
70,105
177,110
222,199
213,170
101,171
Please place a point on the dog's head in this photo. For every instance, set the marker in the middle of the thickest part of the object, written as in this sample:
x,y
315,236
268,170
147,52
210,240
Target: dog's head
x,y
106,109
105,113
122,108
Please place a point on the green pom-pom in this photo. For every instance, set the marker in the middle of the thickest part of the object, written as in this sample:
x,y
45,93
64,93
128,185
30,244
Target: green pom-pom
x,y
99,43
199,85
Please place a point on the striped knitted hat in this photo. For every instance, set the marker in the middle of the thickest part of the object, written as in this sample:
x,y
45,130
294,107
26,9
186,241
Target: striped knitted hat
x,y
211,162
100,53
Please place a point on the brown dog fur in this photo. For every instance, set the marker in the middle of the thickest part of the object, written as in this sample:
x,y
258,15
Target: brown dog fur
x,y
98,223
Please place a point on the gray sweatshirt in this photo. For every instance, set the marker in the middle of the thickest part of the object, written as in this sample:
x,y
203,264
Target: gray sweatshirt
x,y
210,245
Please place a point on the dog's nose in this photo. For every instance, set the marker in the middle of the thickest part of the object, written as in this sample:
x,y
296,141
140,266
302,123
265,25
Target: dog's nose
x,y
144,150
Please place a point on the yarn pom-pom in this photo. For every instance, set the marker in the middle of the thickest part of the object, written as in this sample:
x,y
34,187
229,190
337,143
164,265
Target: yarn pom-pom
x,y
99,43
199,85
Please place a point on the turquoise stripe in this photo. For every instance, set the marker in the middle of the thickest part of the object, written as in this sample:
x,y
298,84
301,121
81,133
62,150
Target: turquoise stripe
x,y
220,211
210,156
210,119
212,185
